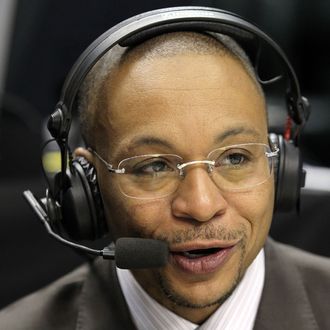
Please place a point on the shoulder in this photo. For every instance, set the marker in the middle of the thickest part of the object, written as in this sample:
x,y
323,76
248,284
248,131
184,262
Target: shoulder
x,y
309,265
300,278
48,308
314,271
296,289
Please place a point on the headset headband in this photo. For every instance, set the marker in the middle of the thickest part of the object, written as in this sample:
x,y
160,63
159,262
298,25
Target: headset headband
x,y
75,186
156,22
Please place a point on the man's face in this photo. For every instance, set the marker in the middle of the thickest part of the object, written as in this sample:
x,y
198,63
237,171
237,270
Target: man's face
x,y
188,105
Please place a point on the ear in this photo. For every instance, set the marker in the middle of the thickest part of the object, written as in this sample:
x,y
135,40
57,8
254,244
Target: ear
x,y
83,152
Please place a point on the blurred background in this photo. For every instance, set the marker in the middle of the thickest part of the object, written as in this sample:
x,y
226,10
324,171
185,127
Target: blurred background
x,y
39,42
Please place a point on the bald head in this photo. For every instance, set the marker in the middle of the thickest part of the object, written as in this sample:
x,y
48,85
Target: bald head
x,y
93,99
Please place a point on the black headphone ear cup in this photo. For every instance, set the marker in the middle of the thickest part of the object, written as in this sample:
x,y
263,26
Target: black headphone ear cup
x,y
82,206
289,174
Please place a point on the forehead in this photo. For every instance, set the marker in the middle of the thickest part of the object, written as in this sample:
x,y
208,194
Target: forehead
x,y
186,96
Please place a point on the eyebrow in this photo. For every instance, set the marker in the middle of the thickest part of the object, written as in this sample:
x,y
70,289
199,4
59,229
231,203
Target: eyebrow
x,y
155,141
237,131
149,140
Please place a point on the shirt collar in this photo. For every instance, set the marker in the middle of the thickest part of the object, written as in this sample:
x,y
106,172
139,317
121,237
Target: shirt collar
x,y
237,312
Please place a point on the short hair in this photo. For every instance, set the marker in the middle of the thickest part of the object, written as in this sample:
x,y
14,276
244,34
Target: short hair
x,y
92,101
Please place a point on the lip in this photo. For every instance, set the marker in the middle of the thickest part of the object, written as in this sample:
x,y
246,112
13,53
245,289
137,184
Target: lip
x,y
199,245
206,263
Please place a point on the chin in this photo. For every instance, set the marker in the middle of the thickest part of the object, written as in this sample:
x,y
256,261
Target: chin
x,y
200,292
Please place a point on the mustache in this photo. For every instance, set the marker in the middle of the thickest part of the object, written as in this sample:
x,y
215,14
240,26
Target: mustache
x,y
209,232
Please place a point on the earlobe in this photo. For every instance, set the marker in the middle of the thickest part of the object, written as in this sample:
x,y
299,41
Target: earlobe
x,y
83,152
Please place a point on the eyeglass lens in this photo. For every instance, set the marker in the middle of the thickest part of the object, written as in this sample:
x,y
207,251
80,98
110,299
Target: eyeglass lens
x,y
236,167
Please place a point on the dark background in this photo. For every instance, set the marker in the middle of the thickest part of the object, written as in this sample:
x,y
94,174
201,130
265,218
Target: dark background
x,y
49,35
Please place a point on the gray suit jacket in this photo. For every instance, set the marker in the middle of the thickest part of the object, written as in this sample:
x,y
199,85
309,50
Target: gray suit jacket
x,y
295,296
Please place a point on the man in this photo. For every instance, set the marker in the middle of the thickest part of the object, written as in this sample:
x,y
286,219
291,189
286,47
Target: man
x,y
185,117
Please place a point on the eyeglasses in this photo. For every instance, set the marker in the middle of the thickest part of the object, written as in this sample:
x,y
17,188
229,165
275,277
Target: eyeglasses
x,y
232,168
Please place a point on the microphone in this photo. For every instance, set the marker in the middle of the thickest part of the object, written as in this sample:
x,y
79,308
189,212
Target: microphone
x,y
133,253
128,252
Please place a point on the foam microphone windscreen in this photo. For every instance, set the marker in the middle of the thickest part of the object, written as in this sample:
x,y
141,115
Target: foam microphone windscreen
x,y
133,253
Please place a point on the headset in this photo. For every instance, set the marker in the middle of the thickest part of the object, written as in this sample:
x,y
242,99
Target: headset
x,y
75,203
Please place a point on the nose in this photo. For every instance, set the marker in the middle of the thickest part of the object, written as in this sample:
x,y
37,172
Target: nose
x,y
198,197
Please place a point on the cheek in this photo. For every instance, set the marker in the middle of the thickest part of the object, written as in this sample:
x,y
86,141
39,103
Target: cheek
x,y
148,217
132,217
255,205
256,208
115,214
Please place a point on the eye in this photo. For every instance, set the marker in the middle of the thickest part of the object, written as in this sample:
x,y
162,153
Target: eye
x,y
236,159
153,166
233,158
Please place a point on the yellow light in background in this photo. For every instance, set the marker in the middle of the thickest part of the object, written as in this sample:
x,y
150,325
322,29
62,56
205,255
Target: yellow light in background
x,y
51,161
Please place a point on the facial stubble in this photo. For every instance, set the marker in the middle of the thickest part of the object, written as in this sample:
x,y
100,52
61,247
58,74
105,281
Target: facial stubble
x,y
178,299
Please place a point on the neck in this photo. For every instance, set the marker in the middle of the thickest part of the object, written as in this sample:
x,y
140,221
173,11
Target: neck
x,y
194,315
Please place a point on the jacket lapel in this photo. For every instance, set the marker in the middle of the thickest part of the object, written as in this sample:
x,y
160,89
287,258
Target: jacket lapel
x,y
284,303
102,304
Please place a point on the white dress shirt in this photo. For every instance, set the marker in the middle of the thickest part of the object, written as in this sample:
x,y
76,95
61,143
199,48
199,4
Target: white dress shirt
x,y
236,313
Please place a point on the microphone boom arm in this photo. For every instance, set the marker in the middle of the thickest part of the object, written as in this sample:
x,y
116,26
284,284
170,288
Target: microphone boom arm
x,y
128,252
107,253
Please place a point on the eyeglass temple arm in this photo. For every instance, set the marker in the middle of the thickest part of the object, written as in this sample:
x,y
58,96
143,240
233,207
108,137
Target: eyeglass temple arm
x,y
108,166
273,153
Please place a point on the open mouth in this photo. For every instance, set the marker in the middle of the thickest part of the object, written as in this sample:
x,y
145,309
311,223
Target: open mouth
x,y
201,260
194,254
